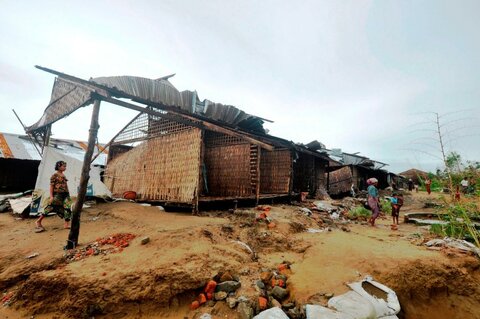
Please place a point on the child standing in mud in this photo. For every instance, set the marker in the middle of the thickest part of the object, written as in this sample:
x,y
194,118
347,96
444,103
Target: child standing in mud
x,y
60,201
396,202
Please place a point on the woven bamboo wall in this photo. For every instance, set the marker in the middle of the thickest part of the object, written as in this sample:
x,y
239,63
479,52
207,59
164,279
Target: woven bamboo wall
x,y
227,163
275,171
165,168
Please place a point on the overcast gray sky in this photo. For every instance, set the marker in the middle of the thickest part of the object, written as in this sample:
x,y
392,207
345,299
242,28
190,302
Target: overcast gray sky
x,y
355,75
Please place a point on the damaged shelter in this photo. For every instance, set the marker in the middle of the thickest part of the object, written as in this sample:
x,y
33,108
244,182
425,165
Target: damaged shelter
x,y
19,162
354,171
26,167
176,163
181,150
416,175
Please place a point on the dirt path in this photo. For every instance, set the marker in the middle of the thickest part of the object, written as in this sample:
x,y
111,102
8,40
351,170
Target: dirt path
x,y
161,278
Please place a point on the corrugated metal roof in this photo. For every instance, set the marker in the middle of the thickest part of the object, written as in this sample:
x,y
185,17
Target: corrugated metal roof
x,y
22,148
70,93
162,91
158,91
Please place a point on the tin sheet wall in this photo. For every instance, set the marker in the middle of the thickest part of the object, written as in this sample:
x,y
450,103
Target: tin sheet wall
x,y
164,168
275,171
340,181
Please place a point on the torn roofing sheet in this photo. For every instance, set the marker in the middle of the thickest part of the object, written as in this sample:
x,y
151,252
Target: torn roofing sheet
x,y
70,93
66,98
163,92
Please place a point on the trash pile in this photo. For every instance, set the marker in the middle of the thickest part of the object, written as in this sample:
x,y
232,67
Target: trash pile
x,y
114,244
327,214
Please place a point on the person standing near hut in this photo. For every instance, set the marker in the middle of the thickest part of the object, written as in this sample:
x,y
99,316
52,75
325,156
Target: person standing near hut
x,y
428,184
464,184
373,199
410,184
59,201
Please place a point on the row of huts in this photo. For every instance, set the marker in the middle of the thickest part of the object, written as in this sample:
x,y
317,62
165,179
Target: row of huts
x,y
182,150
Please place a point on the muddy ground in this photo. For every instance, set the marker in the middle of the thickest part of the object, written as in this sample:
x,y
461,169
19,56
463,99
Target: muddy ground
x,y
161,278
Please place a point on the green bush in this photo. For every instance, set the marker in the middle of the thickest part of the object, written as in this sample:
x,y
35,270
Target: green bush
x,y
459,222
386,206
359,211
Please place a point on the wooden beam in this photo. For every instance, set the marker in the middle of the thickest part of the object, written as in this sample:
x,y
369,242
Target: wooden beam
x,y
72,241
113,138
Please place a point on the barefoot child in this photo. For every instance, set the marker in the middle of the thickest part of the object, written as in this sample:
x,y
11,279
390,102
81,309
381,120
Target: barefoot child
x,y
397,202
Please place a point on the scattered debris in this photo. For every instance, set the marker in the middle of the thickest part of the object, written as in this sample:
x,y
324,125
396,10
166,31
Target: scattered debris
x,y
306,211
272,313
325,206
459,244
250,250
21,206
6,201
39,229
32,255
313,230
116,243
145,240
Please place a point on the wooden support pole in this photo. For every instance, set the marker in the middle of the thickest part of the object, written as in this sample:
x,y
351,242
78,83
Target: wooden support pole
x,y
77,209
46,138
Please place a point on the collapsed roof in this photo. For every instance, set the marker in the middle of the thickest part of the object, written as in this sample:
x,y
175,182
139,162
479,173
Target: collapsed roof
x,y
70,93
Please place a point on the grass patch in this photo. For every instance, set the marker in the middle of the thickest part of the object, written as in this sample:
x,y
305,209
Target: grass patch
x,y
359,212
386,206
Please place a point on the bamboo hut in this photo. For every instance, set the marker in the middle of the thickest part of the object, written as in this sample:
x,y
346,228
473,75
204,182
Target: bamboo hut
x,y
180,149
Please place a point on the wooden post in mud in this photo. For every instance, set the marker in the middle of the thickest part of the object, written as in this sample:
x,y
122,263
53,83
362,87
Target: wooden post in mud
x,y
77,209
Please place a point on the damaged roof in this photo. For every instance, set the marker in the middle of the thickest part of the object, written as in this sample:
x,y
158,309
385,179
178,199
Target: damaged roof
x,y
163,92
354,159
70,93
17,146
